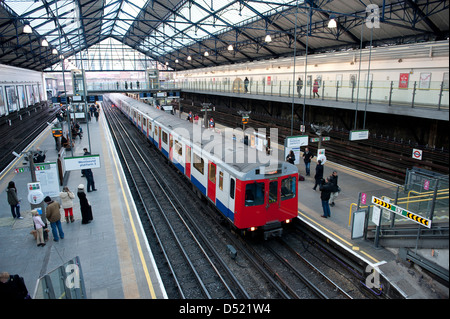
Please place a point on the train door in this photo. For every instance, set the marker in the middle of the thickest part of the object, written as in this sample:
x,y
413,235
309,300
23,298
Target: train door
x,y
232,194
188,162
159,134
212,181
272,200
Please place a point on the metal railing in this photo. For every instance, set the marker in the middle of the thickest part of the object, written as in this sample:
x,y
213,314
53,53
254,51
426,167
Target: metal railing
x,y
64,282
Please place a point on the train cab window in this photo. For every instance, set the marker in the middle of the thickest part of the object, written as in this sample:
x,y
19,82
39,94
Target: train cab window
x,y
273,192
212,173
288,188
232,186
221,181
254,194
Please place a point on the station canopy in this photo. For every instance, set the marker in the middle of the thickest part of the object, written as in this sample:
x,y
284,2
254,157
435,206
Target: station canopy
x,y
187,34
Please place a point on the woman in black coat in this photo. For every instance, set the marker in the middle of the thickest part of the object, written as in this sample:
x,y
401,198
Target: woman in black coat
x,y
319,174
86,210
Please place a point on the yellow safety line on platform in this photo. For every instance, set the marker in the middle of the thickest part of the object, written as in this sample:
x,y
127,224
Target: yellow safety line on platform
x,y
338,237
136,237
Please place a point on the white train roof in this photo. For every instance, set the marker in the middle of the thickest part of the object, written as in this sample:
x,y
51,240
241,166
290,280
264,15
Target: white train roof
x,y
245,161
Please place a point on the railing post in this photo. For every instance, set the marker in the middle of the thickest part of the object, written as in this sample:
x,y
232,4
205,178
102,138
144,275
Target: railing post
x,y
414,94
440,95
390,93
353,91
370,92
323,89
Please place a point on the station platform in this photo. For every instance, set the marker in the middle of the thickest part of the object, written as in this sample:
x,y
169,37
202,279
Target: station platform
x,y
116,260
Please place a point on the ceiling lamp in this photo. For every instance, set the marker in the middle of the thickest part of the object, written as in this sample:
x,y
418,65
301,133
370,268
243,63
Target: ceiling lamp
x,y
230,48
176,61
54,51
27,29
332,23
206,53
189,58
44,43
268,38
167,63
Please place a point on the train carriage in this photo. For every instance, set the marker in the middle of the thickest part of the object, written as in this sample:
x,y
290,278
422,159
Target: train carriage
x,y
251,193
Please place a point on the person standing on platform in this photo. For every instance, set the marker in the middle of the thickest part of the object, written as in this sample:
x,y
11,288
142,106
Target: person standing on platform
x,y
307,156
12,287
13,200
325,189
291,157
319,174
39,226
90,180
316,89
246,81
335,187
54,217
67,203
86,210
299,87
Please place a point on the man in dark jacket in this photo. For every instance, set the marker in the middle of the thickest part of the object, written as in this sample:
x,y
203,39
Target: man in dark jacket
x,y
325,189
319,174
335,187
307,156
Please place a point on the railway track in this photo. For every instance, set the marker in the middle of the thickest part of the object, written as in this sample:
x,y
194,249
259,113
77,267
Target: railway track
x,y
194,266
260,270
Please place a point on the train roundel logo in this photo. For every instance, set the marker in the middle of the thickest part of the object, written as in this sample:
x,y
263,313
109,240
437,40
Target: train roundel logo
x,y
417,154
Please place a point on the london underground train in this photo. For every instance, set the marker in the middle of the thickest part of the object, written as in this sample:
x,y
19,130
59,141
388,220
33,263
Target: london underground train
x,y
254,191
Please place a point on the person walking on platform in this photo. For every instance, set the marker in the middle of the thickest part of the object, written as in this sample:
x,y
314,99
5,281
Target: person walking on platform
x,y
307,156
335,187
54,217
39,226
13,200
67,203
325,188
90,180
246,81
319,174
316,89
86,210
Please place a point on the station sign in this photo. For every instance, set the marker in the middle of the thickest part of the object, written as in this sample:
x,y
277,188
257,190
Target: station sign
x,y
403,212
81,162
359,135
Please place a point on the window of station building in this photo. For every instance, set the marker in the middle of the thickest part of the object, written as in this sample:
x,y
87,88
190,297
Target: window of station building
x,y
254,194
288,188
164,137
199,164
221,181
212,173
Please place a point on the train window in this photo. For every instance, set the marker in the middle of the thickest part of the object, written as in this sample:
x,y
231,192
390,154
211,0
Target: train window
x,y
156,130
212,173
188,154
164,137
273,192
232,186
288,188
178,148
199,164
254,194
221,181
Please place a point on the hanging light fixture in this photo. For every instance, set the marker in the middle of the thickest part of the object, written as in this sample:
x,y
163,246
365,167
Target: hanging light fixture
x,y
332,23
54,51
230,48
189,58
176,61
44,43
27,29
268,38
206,53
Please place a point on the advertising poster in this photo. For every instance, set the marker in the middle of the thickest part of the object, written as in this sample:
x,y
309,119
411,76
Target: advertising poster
x,y
404,79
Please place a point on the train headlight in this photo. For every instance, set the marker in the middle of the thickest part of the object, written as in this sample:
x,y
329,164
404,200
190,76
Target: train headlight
x,y
253,228
287,221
